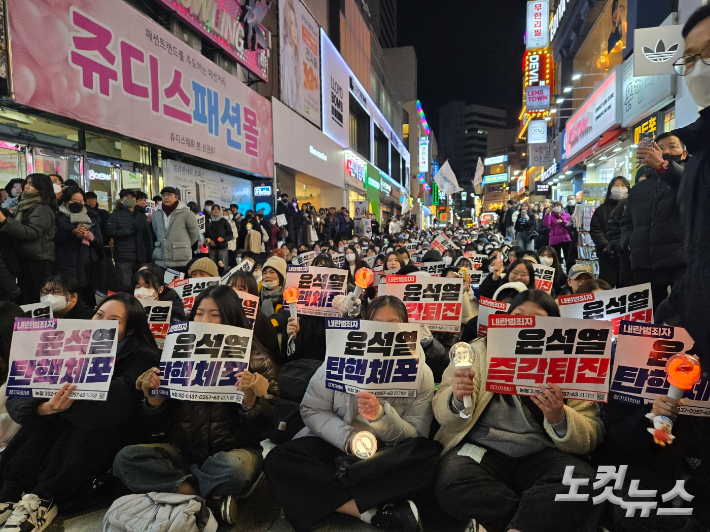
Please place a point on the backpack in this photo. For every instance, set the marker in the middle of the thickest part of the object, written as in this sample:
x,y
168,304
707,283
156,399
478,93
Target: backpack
x,y
293,379
159,512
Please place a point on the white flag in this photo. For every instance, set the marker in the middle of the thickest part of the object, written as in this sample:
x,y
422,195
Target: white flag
x,y
478,178
445,179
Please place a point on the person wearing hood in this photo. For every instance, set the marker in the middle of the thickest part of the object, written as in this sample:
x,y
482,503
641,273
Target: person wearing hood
x,y
218,238
92,207
57,186
650,226
14,191
271,292
617,191
232,244
176,231
132,239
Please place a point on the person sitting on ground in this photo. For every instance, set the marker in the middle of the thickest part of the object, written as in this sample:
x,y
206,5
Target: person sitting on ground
x,y
61,293
519,271
202,267
147,286
578,275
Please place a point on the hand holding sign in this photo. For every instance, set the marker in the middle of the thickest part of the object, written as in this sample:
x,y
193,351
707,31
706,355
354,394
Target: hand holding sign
x,y
551,403
253,385
462,356
368,406
150,380
59,403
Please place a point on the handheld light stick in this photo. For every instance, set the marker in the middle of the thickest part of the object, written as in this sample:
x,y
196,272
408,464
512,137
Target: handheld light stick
x,y
683,372
363,279
462,355
291,297
363,445
463,272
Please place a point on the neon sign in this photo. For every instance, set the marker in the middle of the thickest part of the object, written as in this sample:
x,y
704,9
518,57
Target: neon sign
x,y
422,118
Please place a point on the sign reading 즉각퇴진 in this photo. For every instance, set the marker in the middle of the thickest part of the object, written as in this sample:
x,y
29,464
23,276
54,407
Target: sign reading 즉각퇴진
x,y
372,356
46,354
434,301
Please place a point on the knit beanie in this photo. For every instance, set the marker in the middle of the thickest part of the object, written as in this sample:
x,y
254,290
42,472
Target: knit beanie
x,y
278,265
204,265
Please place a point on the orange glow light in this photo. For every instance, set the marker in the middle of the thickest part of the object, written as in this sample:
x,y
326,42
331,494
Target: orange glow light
x,y
291,295
683,371
364,277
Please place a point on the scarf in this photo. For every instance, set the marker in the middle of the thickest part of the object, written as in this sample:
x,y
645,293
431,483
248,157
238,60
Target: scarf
x,y
215,218
270,299
27,201
81,217
169,209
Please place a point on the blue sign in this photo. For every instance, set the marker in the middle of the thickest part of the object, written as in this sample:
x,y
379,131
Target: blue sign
x,y
435,166
262,191
495,178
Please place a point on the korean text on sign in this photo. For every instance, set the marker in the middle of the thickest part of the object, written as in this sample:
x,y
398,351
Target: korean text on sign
x,y
432,268
639,375
38,310
528,351
488,307
189,289
634,303
46,354
200,362
433,301
158,314
372,356
250,305
442,242
244,266
317,288
544,277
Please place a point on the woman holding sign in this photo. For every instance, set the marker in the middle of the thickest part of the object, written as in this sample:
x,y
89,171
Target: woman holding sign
x,y
213,447
520,271
301,472
505,456
64,444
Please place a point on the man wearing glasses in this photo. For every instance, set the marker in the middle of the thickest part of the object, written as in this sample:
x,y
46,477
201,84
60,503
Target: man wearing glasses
x,y
688,298
176,231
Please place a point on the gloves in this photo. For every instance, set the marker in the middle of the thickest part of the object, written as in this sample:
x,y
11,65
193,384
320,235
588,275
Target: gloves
x,y
352,305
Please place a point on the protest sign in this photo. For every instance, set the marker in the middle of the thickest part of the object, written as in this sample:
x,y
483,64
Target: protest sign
x,y
433,301
410,246
433,268
442,242
201,223
200,362
338,259
149,207
244,266
369,261
372,356
38,310
171,275
528,351
158,314
317,288
281,220
487,307
47,353
633,303
639,376
189,289
544,277
304,258
250,304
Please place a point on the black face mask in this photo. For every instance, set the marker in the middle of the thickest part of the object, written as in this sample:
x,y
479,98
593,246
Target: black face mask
x,y
75,207
673,158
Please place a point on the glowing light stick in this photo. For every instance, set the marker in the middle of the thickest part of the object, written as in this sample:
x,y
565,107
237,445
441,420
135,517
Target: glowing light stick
x,y
363,445
363,279
462,355
683,372
291,297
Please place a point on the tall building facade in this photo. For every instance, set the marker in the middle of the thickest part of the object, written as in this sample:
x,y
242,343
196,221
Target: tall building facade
x,y
383,17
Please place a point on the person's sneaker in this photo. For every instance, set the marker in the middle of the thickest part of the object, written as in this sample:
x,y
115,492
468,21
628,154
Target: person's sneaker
x,y
6,509
31,514
474,526
403,516
224,509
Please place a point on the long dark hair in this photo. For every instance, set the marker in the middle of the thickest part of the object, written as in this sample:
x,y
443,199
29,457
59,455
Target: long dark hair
x,y
8,313
387,301
68,192
43,183
324,260
136,319
149,278
247,278
611,185
560,276
528,265
358,263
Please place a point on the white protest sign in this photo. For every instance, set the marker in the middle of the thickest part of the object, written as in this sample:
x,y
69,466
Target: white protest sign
x,y
475,258
369,260
47,353
200,362
149,207
189,289
201,223
372,356
338,259
410,246
171,275
442,242
244,266
529,351
432,268
639,376
544,277
633,303
316,289
487,307
250,304
433,301
158,314
38,310
304,258
281,220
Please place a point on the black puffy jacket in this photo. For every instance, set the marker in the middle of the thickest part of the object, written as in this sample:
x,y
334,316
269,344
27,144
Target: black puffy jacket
x,y
220,229
132,238
651,227
598,226
34,234
72,257
202,429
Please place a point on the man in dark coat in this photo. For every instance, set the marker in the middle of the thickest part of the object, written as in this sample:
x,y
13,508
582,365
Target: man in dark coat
x,y
650,226
132,238
598,228
286,208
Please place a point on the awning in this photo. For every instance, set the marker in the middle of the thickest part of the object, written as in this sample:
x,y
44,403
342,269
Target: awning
x,y
606,138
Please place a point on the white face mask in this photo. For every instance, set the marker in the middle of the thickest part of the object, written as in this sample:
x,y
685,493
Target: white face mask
x,y
619,193
271,284
698,83
56,302
557,209
272,222
350,257
570,203
57,188
546,261
447,261
341,249
144,293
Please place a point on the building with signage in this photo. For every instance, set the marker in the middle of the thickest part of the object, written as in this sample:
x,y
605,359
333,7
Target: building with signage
x,y
149,96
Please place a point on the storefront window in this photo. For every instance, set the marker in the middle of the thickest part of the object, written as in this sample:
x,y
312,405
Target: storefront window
x,y
14,124
117,149
669,120
354,196
603,48
101,179
306,193
614,162
12,166
67,166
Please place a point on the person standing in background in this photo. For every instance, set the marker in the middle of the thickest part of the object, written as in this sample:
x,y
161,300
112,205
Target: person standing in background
x,y
617,191
176,231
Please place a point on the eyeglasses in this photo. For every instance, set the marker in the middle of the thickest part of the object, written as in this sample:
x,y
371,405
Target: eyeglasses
x,y
55,291
684,65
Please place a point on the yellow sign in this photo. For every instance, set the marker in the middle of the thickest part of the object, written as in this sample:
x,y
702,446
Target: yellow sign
x,y
648,126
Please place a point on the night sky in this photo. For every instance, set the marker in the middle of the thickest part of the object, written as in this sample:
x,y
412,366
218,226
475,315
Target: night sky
x,y
468,50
